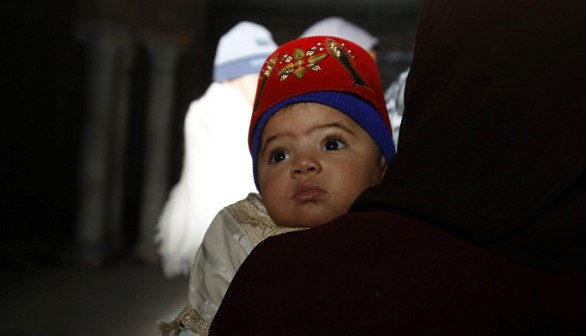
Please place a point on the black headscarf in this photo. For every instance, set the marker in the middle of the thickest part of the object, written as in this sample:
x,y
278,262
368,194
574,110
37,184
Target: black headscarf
x,y
493,137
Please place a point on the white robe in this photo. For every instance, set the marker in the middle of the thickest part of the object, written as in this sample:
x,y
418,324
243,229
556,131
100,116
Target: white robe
x,y
230,238
217,171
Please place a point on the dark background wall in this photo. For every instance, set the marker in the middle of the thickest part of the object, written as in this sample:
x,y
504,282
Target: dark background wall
x,y
43,76
42,99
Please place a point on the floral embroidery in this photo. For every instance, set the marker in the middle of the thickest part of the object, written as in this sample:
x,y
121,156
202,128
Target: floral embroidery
x,y
299,62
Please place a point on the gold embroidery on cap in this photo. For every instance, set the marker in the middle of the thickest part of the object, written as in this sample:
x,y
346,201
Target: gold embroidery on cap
x,y
345,58
270,66
265,74
299,62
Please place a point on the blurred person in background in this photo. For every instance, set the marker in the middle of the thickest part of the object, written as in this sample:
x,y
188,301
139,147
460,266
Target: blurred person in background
x,y
340,27
395,98
216,129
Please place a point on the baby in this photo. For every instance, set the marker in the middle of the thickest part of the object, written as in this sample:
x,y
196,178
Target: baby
x,y
319,136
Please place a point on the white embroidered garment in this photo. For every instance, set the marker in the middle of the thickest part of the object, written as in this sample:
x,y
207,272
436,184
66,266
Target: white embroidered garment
x,y
232,235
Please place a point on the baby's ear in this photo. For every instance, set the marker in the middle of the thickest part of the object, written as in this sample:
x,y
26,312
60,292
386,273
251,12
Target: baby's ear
x,y
383,168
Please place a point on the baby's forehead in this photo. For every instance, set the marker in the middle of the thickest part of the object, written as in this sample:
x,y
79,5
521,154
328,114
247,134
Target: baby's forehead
x,y
310,113
315,108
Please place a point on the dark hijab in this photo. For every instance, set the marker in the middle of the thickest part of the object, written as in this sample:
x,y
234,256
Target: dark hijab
x,y
493,137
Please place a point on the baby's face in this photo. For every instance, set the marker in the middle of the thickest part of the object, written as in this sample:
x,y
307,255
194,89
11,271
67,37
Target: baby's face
x,y
314,161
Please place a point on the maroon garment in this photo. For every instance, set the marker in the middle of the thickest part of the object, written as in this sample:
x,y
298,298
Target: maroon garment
x,y
362,276
479,226
493,137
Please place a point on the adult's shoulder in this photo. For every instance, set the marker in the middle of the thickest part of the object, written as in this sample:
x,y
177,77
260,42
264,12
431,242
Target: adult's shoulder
x,y
336,244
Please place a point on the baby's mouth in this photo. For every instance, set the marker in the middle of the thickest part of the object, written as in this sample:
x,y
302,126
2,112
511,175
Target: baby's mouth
x,y
308,193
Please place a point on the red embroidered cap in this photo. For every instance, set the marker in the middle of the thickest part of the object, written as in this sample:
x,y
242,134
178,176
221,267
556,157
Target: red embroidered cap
x,y
327,70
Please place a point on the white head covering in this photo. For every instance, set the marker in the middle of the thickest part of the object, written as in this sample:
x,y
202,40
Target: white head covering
x,y
242,51
336,26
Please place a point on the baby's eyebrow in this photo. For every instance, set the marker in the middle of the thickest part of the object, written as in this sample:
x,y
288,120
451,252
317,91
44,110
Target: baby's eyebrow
x,y
334,125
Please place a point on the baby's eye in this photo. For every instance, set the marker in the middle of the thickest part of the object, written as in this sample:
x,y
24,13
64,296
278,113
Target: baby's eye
x,y
333,144
278,156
